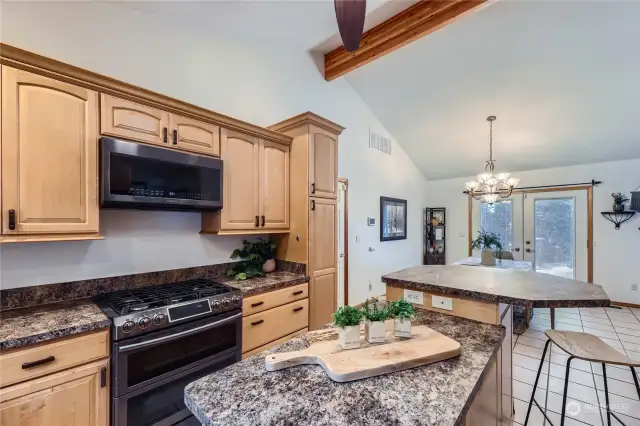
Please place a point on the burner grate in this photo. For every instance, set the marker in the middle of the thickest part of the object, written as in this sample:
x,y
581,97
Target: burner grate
x,y
139,299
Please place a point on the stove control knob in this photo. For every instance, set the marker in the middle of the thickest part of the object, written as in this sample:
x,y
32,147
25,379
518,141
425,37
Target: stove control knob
x,y
215,304
144,322
226,303
235,300
159,319
128,326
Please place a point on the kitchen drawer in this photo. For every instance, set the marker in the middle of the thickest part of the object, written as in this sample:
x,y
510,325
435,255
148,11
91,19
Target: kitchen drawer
x,y
274,343
262,302
264,327
63,354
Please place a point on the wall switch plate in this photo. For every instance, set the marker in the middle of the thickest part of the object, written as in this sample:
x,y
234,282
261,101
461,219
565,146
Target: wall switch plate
x,y
414,297
634,287
442,302
371,221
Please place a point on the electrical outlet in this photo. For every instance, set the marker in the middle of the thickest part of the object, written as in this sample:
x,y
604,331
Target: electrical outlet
x,y
634,287
442,302
370,285
414,297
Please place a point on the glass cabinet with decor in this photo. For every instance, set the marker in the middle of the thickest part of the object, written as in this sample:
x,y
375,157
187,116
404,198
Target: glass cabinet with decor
x,y
434,236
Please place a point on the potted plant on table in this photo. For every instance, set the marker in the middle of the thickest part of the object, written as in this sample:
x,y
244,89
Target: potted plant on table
x,y
402,313
487,243
375,315
257,258
618,202
347,319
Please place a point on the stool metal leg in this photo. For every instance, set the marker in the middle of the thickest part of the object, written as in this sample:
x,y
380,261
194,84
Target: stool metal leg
x,y
566,387
535,385
606,393
635,380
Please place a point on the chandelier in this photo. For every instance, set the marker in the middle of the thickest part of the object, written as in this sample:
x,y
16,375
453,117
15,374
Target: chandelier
x,y
489,185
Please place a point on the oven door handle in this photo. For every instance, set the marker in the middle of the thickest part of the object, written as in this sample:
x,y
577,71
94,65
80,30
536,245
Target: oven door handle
x,y
171,337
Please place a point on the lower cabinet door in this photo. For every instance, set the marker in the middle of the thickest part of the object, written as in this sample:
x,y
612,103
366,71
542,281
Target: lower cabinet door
x,y
74,397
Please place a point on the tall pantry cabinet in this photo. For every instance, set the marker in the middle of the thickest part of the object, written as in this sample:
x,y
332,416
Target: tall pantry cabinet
x,y
313,196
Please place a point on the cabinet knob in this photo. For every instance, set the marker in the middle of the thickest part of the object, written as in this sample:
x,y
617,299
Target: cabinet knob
x,y
313,204
263,220
175,136
164,135
257,221
313,188
12,220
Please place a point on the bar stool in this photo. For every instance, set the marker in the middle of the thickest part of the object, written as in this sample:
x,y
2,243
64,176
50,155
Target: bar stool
x,y
589,348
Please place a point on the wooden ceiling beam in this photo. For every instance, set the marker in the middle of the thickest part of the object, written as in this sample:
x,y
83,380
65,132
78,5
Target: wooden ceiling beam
x,y
417,21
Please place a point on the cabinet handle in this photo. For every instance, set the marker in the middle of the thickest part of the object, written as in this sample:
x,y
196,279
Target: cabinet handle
x,y
295,293
175,136
253,305
257,220
38,363
313,188
263,220
12,220
299,308
313,204
164,135
257,322
103,377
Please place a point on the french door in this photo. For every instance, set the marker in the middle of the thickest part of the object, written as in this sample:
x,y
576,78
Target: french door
x,y
549,229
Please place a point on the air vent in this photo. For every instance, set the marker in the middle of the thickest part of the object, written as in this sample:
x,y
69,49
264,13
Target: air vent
x,y
379,142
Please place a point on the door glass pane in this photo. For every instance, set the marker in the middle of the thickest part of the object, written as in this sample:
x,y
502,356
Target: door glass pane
x,y
554,231
498,218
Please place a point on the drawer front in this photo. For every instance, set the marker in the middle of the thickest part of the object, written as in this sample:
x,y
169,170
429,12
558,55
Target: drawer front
x,y
262,302
264,327
53,357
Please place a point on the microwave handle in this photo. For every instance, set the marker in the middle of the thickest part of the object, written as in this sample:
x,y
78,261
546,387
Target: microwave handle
x,y
171,337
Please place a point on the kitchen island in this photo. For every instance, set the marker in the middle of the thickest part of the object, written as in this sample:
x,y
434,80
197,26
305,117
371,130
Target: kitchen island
x,y
436,394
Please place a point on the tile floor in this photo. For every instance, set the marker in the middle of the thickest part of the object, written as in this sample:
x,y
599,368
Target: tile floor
x,y
620,328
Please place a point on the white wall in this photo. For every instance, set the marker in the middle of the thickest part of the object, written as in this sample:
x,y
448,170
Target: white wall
x,y
616,253
260,84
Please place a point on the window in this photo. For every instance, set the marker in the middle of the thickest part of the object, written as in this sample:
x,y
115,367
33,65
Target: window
x,y
498,218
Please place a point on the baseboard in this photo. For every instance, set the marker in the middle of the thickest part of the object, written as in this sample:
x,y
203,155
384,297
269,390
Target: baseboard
x,y
628,305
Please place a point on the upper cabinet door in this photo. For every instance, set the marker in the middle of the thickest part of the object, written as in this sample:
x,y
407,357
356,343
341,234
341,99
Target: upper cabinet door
x,y
240,154
129,120
274,191
194,135
323,163
49,155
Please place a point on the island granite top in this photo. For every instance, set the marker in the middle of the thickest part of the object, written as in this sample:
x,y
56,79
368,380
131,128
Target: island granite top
x,y
272,281
435,394
26,326
500,286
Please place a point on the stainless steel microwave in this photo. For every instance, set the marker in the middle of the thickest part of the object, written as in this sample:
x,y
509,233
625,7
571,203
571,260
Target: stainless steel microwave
x,y
138,176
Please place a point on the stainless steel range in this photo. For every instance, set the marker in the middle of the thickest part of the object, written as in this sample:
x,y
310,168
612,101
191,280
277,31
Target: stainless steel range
x,y
165,337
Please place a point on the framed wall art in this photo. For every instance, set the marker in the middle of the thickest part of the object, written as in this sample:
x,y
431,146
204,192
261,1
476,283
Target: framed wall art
x,y
393,219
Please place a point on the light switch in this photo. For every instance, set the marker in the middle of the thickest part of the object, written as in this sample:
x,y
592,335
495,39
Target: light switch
x,y
442,302
414,297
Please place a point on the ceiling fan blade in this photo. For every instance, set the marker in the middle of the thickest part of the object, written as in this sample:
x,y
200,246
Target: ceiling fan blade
x,y
350,16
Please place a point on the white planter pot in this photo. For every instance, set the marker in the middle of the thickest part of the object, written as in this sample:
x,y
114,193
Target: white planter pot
x,y
349,337
375,331
402,328
487,258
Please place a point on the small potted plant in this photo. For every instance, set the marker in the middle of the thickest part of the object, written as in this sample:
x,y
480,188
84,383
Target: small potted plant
x,y
347,320
257,258
487,242
375,315
618,202
402,313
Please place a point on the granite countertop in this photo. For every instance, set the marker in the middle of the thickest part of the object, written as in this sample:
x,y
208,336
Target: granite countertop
x,y
273,281
435,394
518,265
500,286
26,326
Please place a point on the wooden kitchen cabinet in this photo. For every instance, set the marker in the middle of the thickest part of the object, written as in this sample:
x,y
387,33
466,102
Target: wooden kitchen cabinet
x,y
194,135
322,261
49,157
256,186
130,120
75,397
323,163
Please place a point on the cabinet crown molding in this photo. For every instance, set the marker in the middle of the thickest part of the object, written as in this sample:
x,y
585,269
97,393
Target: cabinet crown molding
x,y
307,118
32,62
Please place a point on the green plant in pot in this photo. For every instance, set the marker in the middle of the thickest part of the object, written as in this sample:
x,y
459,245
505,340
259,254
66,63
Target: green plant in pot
x,y
402,313
487,243
618,202
256,258
375,314
347,319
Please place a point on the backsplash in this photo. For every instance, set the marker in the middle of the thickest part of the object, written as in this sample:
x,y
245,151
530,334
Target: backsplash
x,y
50,293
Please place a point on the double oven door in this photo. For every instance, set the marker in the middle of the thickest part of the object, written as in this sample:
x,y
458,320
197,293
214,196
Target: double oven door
x,y
151,371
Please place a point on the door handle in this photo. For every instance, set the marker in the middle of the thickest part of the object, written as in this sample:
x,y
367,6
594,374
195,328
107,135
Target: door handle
x,y
527,242
257,221
38,363
530,251
313,188
299,308
263,220
164,135
257,322
12,220
313,204
517,249
175,136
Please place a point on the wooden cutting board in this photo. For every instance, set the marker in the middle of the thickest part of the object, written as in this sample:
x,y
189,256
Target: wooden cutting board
x,y
425,347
